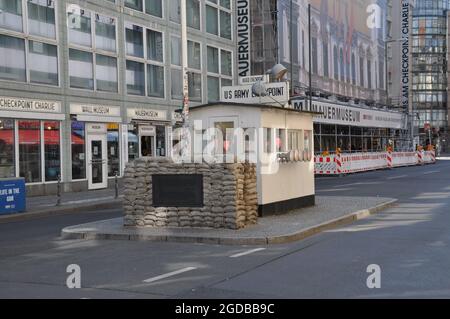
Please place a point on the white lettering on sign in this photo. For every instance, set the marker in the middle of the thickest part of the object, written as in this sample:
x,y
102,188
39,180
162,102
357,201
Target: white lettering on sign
x,y
405,53
243,34
253,79
277,93
98,110
147,114
347,115
16,104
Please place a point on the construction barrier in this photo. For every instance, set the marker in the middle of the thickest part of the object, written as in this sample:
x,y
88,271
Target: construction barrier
x,y
337,164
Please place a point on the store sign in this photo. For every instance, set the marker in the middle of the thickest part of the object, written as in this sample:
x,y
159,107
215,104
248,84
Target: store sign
x,y
96,128
347,115
27,105
277,93
147,114
243,36
253,79
405,63
147,130
12,196
96,110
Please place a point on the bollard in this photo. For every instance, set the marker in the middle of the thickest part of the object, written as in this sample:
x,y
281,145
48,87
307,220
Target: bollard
x,y
116,185
58,194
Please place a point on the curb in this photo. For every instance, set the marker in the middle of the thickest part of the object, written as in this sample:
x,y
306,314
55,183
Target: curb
x,y
67,233
58,211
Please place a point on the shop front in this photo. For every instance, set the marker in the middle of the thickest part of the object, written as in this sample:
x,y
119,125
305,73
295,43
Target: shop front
x,y
148,133
95,144
30,140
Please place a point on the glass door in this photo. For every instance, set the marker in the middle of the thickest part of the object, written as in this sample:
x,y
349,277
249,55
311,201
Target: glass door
x,y
97,162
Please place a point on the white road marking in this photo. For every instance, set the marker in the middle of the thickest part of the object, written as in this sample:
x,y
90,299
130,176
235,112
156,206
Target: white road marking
x,y
432,172
170,274
248,252
397,177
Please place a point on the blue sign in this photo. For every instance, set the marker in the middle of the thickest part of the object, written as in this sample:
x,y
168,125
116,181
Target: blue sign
x,y
12,196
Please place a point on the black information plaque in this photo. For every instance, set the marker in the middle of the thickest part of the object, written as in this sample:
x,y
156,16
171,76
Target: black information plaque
x,y
178,190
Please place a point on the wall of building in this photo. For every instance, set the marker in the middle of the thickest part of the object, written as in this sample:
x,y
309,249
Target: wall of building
x,y
25,41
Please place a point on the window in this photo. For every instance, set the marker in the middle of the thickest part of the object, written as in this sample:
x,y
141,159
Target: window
x,y
308,143
174,11
175,50
11,15
81,69
12,69
41,18
113,149
280,140
134,40
134,4
195,86
268,140
161,141
218,19
213,89
52,151
194,57
226,63
78,150
95,66
176,84
135,78
155,81
369,74
193,14
105,33
213,59
217,70
294,140
212,21
154,7
30,150
79,22
315,54
155,49
43,63
106,73
7,147
326,68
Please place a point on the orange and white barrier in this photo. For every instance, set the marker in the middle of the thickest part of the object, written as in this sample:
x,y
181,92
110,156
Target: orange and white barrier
x,y
338,164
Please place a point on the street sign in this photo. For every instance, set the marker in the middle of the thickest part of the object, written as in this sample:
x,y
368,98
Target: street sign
x,y
12,195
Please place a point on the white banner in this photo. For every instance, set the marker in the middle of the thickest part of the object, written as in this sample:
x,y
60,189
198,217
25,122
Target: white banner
x,y
339,114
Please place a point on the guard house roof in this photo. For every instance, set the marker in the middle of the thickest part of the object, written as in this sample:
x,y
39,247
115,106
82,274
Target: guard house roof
x,y
260,106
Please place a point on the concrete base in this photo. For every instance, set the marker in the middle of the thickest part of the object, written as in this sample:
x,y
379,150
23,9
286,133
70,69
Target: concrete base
x,y
286,206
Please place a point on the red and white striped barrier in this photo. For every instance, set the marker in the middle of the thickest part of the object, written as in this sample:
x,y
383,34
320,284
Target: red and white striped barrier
x,y
337,164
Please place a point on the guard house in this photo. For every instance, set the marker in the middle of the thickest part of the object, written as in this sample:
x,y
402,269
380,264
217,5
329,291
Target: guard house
x,y
279,140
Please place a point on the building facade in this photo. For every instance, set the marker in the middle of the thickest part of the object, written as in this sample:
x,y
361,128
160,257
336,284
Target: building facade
x,y
86,86
347,63
429,72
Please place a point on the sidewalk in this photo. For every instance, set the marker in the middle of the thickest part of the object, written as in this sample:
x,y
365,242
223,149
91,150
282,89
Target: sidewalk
x,y
41,206
328,213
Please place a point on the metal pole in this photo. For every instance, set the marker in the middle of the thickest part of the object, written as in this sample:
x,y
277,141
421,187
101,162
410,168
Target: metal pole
x,y
310,56
291,43
386,71
184,61
58,194
116,185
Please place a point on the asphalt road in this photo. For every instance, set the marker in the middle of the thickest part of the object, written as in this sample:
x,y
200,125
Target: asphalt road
x,y
409,242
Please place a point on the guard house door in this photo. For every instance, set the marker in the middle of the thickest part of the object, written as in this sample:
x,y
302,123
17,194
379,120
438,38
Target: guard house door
x,y
147,136
97,157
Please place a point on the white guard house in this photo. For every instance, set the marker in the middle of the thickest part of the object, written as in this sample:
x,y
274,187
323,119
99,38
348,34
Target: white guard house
x,y
283,150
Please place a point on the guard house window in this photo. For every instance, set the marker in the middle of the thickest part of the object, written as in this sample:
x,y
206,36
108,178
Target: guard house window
x,y
30,151
78,150
308,142
52,151
161,141
113,149
43,63
280,140
41,18
11,15
7,159
12,69
268,140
